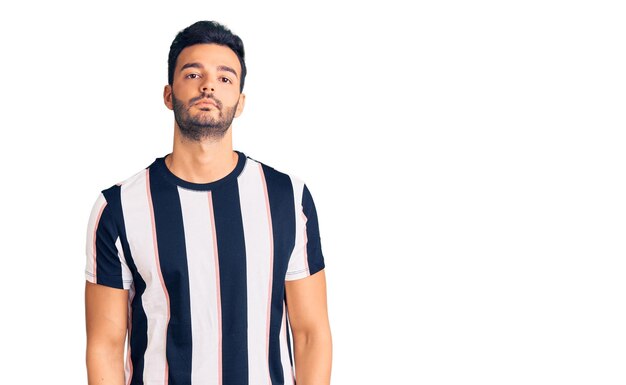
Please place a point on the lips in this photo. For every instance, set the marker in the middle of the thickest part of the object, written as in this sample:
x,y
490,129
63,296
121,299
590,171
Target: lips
x,y
206,102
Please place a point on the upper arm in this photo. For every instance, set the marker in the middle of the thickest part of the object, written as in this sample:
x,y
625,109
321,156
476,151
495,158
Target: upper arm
x,y
106,314
305,281
105,262
307,305
306,257
108,278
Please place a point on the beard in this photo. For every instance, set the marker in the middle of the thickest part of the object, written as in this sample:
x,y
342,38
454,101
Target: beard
x,y
202,125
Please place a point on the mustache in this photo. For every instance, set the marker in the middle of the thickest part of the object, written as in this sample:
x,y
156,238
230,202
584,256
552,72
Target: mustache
x,y
206,96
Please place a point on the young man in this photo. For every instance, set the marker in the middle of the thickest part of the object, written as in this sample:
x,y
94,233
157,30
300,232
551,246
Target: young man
x,y
209,259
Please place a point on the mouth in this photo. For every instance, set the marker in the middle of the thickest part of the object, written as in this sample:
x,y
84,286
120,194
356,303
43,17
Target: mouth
x,y
206,103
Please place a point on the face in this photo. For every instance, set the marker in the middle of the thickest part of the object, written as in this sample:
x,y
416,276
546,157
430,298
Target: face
x,y
204,94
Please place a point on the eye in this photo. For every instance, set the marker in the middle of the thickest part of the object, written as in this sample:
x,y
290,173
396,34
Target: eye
x,y
225,80
192,76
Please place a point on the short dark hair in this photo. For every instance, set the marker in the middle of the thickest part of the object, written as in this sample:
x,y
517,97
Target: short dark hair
x,y
205,32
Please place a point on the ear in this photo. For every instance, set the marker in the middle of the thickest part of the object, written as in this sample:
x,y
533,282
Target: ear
x,y
240,104
167,97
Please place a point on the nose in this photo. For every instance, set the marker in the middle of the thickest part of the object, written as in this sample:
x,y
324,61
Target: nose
x,y
207,86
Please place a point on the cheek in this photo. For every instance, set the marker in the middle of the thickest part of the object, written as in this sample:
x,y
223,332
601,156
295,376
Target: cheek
x,y
230,98
182,93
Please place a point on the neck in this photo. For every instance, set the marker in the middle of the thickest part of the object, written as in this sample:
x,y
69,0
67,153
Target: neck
x,y
201,162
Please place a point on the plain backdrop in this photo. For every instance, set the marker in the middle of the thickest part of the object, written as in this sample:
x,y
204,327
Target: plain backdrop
x,y
466,160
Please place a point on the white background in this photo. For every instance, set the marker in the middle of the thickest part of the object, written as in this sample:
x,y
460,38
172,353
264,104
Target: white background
x,y
466,160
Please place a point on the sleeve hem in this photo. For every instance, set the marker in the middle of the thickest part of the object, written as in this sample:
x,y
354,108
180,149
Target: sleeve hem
x,y
110,281
295,275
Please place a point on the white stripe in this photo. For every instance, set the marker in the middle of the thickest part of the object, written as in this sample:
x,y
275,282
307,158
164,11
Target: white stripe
x,y
91,227
127,276
297,267
137,217
202,273
284,350
257,239
128,364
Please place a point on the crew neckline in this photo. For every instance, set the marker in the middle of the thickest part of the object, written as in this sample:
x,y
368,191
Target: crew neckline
x,y
172,178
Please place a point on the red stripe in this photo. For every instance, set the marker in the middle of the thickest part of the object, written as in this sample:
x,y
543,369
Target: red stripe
x,y
306,258
271,275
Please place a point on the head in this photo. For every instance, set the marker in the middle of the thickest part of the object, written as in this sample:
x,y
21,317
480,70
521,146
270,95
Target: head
x,y
206,73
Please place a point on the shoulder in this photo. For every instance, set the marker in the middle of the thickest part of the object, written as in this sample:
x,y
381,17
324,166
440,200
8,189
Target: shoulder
x,y
111,195
112,192
277,179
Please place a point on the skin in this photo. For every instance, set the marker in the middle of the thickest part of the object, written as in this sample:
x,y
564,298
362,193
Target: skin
x,y
202,156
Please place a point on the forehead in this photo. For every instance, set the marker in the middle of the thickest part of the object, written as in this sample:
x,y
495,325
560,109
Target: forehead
x,y
209,55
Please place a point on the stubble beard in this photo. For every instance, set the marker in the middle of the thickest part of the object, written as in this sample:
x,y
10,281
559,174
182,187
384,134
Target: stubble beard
x,y
202,126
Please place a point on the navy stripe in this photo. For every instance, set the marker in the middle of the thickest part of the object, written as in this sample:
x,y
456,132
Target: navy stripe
x,y
108,264
282,208
170,233
313,247
231,252
139,327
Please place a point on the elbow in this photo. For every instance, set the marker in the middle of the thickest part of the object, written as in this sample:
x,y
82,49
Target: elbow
x,y
108,350
313,336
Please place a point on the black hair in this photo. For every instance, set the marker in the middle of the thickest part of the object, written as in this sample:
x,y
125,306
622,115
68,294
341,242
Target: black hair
x,y
205,32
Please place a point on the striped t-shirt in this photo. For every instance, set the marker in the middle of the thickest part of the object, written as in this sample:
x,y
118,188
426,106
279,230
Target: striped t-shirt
x,y
205,265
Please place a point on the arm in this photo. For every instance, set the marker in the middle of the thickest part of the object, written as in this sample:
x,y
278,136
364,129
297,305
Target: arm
x,y
308,315
106,312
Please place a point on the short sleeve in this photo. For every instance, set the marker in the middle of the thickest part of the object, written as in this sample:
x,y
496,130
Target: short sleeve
x,y
105,262
306,258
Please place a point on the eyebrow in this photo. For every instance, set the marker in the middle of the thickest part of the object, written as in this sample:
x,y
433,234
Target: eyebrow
x,y
200,66
227,69
192,65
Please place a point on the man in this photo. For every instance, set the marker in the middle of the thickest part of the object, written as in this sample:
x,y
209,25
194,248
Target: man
x,y
209,259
